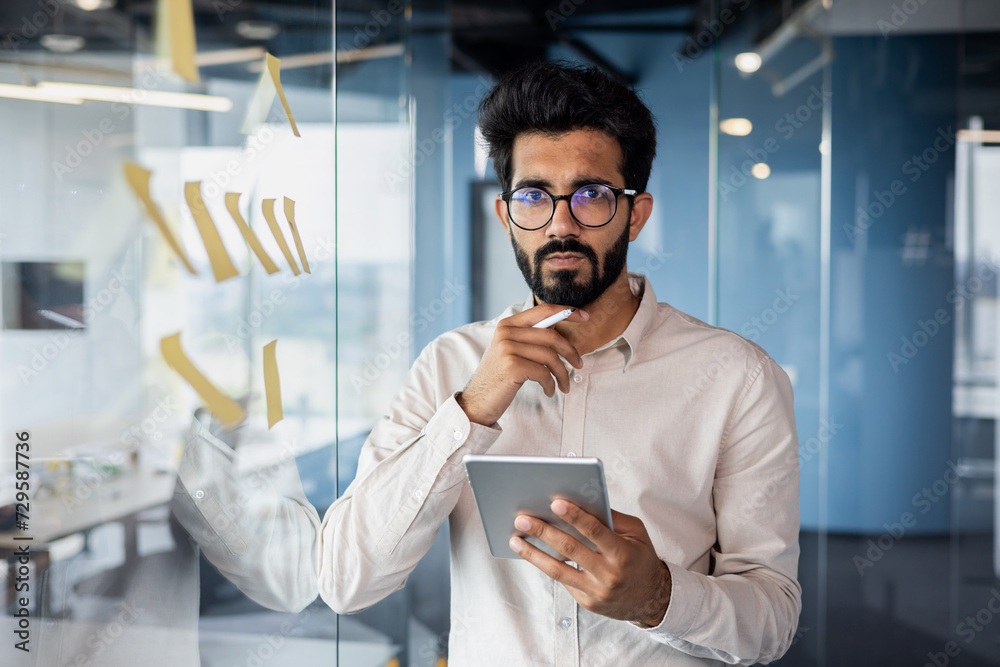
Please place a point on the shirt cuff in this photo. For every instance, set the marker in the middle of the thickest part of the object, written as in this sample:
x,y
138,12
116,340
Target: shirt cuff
x,y
686,596
452,434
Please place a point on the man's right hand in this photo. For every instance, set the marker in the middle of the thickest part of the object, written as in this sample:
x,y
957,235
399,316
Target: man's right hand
x,y
518,353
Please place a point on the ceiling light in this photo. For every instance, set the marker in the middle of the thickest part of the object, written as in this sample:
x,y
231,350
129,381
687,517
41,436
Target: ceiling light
x,y
257,30
31,93
737,127
139,96
748,62
93,5
62,43
761,170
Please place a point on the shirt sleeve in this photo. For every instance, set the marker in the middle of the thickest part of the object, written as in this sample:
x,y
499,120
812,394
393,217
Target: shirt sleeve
x,y
256,527
409,479
746,609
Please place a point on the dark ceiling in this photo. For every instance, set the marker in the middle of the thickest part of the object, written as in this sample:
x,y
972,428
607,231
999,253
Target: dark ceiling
x,y
486,36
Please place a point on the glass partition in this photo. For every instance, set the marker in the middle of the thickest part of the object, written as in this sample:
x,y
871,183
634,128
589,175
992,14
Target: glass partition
x,y
824,187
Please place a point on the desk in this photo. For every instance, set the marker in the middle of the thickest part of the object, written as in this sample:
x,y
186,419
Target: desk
x,y
54,517
57,516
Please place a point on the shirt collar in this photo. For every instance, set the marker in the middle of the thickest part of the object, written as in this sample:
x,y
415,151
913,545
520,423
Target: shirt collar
x,y
637,328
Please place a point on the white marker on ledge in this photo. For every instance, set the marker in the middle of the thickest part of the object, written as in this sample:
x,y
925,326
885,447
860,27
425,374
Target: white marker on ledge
x,y
554,319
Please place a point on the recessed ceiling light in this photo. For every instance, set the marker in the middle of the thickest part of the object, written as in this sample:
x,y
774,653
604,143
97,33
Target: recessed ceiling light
x,y
63,43
748,62
257,30
93,5
761,170
737,127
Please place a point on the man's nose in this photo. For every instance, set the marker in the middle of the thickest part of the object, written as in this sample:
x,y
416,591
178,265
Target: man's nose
x,y
563,224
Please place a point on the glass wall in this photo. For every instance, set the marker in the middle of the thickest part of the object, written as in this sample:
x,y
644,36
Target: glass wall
x,y
824,187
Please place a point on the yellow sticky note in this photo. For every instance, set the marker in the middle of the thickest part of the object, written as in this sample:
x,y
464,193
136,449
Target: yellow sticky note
x,y
232,205
272,386
260,103
268,86
138,180
290,214
175,32
223,407
268,207
222,265
274,67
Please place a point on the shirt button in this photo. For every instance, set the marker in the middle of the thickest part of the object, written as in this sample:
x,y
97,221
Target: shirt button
x,y
418,494
577,378
565,622
570,453
199,494
457,435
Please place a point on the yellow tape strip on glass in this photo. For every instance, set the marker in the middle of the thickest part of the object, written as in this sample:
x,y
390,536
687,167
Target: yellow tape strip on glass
x,y
222,265
268,207
290,214
223,407
138,180
272,386
175,34
233,206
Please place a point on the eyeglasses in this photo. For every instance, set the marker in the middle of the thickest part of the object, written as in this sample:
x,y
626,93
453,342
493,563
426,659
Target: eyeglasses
x,y
591,206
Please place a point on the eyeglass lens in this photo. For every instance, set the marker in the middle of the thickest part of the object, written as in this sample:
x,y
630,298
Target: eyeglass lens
x,y
591,205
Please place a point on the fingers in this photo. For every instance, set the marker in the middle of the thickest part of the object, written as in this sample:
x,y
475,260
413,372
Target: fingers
x,y
531,316
606,540
568,546
543,363
542,337
553,568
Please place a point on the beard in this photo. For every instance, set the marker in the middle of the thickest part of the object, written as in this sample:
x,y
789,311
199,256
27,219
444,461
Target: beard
x,y
563,287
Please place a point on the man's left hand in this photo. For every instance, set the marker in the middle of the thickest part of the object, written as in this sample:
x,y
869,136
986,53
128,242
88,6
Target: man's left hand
x,y
622,579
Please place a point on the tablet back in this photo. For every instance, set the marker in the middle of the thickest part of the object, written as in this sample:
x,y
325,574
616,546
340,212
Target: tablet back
x,y
505,486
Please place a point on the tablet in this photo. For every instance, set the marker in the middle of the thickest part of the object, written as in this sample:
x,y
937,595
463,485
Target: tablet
x,y
505,486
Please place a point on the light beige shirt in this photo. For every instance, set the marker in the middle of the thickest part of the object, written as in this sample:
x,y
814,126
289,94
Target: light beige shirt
x,y
696,431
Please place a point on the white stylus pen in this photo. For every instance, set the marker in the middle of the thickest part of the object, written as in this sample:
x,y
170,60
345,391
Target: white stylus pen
x,y
554,319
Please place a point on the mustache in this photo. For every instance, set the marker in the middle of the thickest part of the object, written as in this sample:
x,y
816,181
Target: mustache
x,y
565,245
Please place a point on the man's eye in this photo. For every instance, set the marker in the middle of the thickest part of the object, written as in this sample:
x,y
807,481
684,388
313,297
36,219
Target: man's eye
x,y
531,196
590,193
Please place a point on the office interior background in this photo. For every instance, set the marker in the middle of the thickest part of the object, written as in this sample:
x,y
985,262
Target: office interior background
x,y
826,186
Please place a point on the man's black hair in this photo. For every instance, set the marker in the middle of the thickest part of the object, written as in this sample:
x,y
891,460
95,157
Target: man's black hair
x,y
557,97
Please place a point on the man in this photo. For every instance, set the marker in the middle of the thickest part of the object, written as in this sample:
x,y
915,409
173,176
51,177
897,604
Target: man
x,y
691,422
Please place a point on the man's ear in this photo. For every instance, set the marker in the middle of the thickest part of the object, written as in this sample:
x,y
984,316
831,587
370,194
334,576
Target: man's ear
x,y
642,208
501,211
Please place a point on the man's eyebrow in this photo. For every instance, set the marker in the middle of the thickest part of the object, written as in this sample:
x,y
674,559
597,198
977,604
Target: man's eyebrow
x,y
545,184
